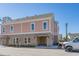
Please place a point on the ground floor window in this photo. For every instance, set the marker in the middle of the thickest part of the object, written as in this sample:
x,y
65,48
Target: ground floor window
x,y
14,40
29,40
17,40
25,40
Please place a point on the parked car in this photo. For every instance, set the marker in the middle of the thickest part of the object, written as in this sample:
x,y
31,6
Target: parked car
x,y
72,45
63,44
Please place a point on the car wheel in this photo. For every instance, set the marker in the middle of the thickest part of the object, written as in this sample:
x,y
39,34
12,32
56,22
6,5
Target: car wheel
x,y
68,49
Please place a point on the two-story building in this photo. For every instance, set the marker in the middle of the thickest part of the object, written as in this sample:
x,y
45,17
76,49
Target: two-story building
x,y
38,30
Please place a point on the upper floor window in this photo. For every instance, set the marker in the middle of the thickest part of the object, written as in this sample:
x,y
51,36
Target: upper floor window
x,y
32,26
45,25
3,30
11,29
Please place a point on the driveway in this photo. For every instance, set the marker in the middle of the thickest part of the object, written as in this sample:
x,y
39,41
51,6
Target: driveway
x,y
11,51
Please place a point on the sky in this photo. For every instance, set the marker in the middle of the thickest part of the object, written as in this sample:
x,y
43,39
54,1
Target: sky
x,y
64,13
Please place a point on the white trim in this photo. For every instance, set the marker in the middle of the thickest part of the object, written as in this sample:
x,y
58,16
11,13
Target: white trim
x,y
43,25
50,25
21,27
2,29
27,41
29,33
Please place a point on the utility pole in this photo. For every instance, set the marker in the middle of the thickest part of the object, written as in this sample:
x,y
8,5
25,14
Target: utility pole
x,y
66,31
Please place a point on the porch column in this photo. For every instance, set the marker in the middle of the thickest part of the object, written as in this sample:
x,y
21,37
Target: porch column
x,y
49,41
35,39
19,42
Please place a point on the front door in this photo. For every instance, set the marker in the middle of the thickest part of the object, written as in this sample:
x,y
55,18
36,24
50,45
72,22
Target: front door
x,y
41,41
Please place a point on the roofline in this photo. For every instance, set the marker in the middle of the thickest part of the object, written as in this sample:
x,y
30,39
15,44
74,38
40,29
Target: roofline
x,y
31,18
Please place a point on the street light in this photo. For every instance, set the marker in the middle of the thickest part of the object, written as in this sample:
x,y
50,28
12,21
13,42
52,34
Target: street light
x,y
66,31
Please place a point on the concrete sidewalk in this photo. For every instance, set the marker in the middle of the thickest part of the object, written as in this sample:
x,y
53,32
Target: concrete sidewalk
x,y
50,47
11,51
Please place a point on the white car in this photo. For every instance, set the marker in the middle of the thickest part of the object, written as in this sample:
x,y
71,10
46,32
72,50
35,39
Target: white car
x,y
72,45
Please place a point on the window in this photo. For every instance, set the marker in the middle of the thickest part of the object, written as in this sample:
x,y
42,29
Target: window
x,y
17,40
76,40
28,40
14,41
45,25
11,29
25,40
3,30
33,26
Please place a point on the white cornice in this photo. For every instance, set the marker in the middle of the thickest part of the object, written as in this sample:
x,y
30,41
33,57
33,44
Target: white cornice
x,y
44,32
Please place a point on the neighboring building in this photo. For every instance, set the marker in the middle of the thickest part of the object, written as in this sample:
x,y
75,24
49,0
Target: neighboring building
x,y
60,37
34,30
73,35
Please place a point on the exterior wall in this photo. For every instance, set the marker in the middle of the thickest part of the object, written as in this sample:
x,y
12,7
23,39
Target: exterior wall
x,y
55,31
54,27
24,26
38,27
49,41
21,39
17,28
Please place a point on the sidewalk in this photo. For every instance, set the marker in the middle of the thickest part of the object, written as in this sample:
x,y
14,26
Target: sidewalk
x,y
2,46
50,47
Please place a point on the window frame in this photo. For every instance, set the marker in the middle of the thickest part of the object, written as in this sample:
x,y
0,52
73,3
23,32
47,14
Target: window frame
x,y
10,28
25,40
45,21
29,40
34,26
3,29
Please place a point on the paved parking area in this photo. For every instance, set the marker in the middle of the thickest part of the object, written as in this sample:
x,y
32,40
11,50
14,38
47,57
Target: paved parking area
x,y
10,51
